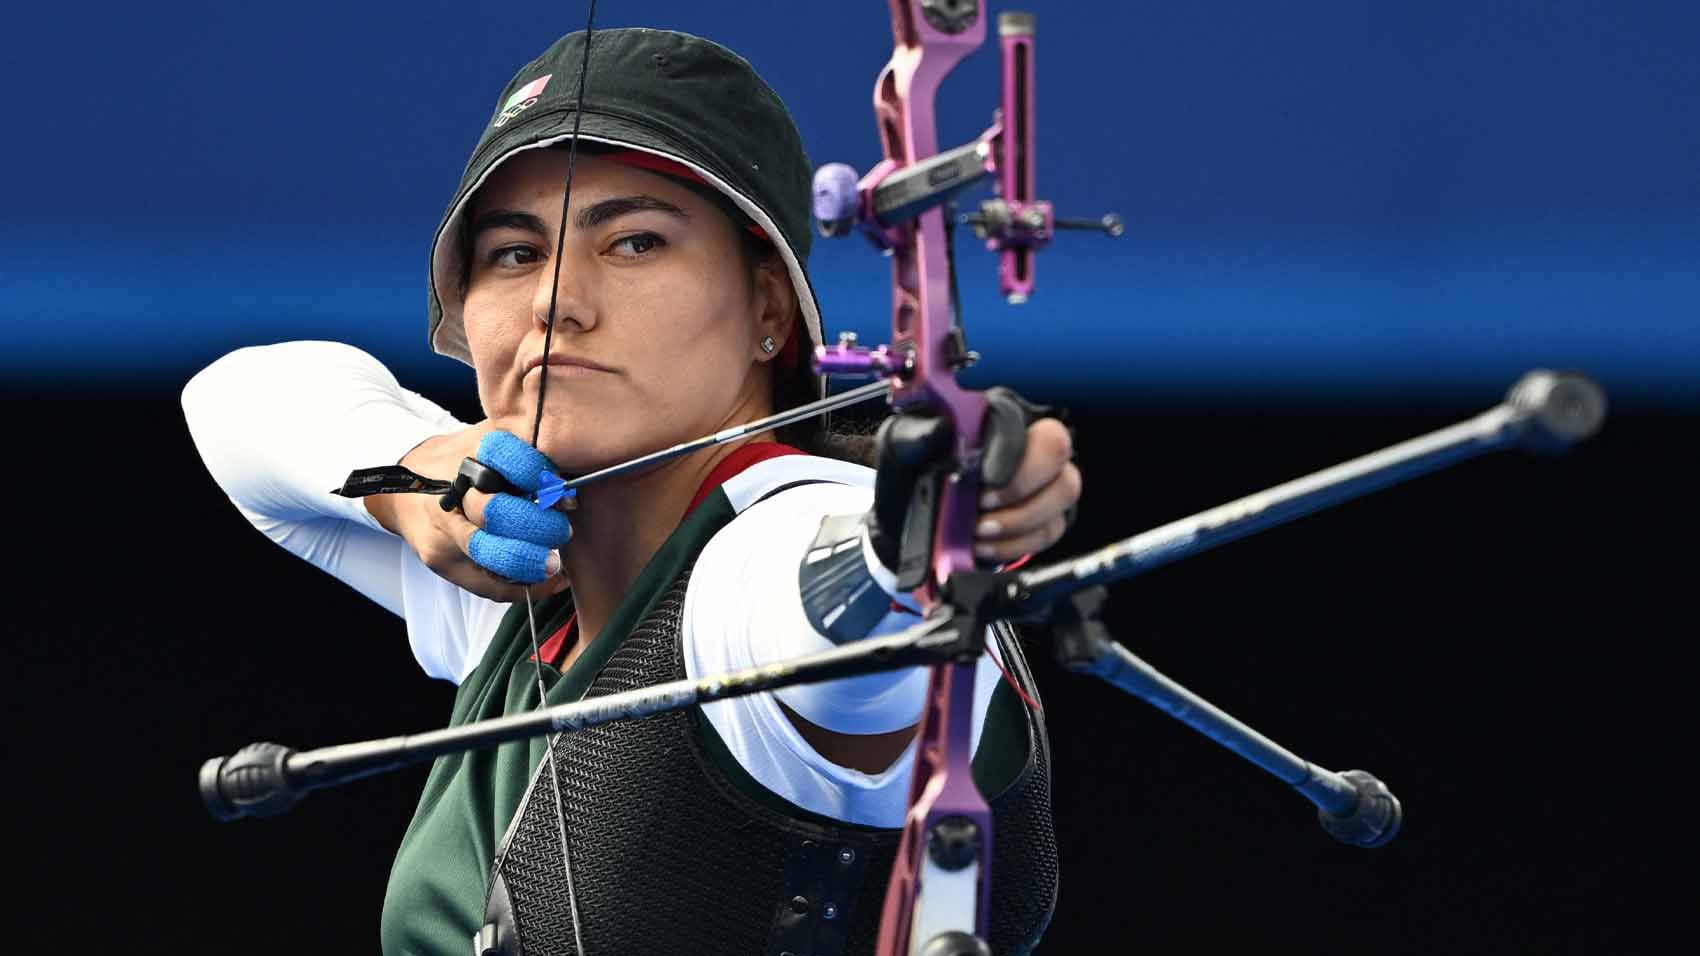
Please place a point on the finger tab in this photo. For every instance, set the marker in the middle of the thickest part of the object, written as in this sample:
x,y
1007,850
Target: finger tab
x,y
518,462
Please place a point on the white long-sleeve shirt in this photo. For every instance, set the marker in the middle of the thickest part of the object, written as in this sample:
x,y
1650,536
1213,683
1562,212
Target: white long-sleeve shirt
x,y
278,426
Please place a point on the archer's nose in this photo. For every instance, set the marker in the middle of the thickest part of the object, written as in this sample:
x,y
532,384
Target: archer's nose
x,y
561,298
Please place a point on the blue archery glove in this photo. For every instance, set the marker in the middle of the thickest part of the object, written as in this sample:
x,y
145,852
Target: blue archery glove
x,y
519,531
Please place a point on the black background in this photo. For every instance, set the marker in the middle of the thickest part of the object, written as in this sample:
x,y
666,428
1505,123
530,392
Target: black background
x,y
1504,643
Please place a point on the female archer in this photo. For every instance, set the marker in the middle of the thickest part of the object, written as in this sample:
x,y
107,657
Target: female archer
x,y
623,277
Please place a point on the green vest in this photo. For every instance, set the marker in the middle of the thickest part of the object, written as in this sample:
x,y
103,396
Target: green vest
x,y
436,895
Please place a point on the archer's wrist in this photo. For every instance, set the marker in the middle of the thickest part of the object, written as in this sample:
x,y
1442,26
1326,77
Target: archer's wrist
x,y
383,509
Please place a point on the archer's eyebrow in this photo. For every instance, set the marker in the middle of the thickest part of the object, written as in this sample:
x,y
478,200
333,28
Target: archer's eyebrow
x,y
588,217
506,219
598,213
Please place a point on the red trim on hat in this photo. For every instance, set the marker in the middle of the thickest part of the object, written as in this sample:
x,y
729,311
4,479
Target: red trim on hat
x,y
655,164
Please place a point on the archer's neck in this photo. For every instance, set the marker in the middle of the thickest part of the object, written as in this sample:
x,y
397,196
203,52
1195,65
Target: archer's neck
x,y
620,524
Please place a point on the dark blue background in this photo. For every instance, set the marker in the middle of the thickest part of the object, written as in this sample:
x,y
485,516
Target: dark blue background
x,y
1327,200
1350,223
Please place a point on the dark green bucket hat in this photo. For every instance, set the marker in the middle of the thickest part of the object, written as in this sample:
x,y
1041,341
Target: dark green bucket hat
x,y
669,94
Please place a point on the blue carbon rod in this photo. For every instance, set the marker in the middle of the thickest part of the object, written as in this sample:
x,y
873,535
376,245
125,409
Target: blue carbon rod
x,y
1547,411
1353,806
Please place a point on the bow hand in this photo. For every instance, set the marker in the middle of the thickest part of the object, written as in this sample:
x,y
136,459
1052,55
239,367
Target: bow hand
x,y
1031,485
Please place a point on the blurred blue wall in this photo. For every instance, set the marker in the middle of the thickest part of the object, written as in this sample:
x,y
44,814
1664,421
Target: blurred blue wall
x,y
1326,200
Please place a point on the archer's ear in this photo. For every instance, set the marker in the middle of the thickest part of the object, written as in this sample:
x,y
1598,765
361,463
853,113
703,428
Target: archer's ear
x,y
776,300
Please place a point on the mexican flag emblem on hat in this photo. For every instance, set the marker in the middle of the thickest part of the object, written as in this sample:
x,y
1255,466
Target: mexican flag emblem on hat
x,y
522,99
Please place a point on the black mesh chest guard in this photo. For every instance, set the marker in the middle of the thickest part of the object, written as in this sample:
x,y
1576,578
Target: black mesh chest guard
x,y
670,857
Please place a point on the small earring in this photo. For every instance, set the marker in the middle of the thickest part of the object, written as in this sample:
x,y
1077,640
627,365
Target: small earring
x,y
767,344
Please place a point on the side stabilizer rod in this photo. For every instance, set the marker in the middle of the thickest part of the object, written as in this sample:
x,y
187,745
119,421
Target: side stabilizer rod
x,y
267,779
1353,807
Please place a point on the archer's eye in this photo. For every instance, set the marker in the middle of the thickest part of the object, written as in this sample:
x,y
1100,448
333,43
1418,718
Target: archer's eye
x,y
637,244
510,257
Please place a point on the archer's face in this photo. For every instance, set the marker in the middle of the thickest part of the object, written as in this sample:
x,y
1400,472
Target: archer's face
x,y
658,320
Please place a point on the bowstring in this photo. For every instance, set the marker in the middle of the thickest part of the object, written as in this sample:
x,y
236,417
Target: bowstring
x,y
536,434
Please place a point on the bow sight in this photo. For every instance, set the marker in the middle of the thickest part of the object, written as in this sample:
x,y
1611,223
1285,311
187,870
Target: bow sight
x,y
1014,223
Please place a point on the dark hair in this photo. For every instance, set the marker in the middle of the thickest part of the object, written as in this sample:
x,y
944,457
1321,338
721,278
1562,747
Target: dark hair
x,y
842,437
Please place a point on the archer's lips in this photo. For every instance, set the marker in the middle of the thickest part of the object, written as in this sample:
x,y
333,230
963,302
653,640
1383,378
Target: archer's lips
x,y
569,364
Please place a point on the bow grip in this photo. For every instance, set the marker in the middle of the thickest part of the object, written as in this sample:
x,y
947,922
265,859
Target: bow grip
x,y
913,456
1003,435
912,453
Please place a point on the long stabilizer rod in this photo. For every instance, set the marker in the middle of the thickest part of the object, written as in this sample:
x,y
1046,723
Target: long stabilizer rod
x,y
1548,411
